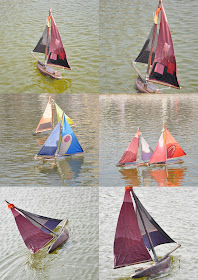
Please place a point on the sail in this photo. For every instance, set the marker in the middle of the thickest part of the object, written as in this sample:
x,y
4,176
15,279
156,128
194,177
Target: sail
x,y
164,68
173,148
159,154
41,45
130,155
59,113
50,146
147,152
39,221
34,238
157,234
46,122
129,247
143,56
69,143
57,55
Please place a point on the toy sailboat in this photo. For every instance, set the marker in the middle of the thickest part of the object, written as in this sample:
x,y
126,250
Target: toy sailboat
x,y
37,231
157,51
53,49
168,150
131,155
46,123
136,232
61,142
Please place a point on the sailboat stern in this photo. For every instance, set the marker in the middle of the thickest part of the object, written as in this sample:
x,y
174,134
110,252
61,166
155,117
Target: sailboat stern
x,y
61,239
48,71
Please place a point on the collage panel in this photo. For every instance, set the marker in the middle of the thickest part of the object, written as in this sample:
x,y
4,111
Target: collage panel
x,y
75,256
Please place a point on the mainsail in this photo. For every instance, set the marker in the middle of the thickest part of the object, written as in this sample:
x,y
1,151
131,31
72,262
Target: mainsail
x,y
147,152
159,154
130,155
164,70
129,247
46,122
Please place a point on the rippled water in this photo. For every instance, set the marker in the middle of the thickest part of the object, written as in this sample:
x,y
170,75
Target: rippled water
x,y
78,257
19,116
124,27
22,25
176,212
120,116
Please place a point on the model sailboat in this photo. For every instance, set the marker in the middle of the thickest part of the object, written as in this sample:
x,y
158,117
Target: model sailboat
x,y
61,142
37,231
131,155
53,49
158,52
46,123
168,150
137,232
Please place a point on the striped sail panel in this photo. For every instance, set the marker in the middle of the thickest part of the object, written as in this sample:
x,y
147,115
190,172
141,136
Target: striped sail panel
x,y
173,148
51,144
69,142
57,55
159,154
147,152
130,155
33,237
129,247
60,112
164,68
46,122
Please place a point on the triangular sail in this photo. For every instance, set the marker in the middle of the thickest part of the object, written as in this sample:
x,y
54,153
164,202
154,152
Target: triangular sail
x,y
41,46
34,238
57,55
50,146
69,143
130,155
164,69
173,148
59,113
143,56
147,152
159,154
157,234
129,247
46,122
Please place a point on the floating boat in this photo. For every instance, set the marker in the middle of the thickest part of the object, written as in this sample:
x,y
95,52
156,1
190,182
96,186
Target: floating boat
x,y
136,233
61,142
168,151
131,155
157,51
46,123
37,231
53,49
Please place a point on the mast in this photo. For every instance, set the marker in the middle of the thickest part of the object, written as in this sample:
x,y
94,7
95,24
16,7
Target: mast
x,y
138,154
153,41
164,140
48,25
147,234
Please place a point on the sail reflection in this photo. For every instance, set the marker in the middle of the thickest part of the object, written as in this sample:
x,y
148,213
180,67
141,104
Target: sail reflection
x,y
131,176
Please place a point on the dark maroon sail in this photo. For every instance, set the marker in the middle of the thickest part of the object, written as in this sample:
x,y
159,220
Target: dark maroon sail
x,y
34,238
129,247
57,55
164,70
157,234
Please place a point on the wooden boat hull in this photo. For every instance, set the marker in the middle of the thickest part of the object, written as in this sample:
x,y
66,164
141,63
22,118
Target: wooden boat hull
x,y
42,132
132,164
62,238
143,87
48,71
154,269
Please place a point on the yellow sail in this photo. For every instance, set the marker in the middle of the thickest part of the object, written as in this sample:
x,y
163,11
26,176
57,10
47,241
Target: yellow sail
x,y
60,112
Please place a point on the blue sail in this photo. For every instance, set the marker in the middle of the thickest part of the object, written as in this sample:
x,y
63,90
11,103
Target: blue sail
x,y
51,144
69,143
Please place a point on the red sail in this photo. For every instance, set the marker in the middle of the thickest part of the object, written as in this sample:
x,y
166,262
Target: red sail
x,y
57,55
173,148
159,154
164,68
34,238
129,247
130,155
